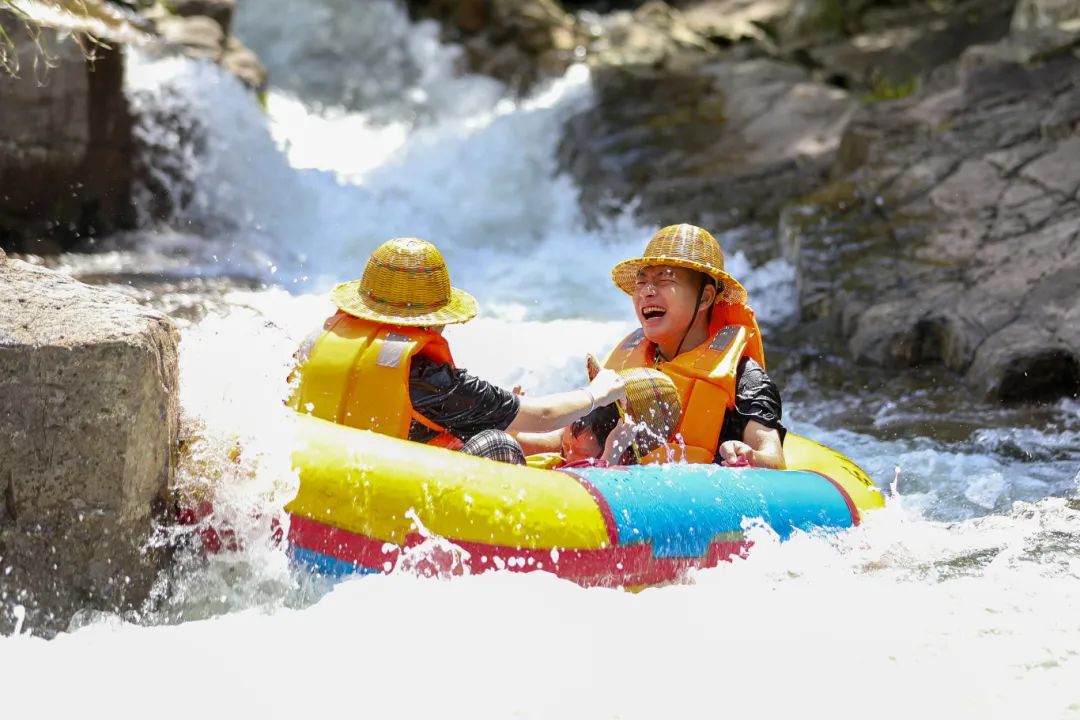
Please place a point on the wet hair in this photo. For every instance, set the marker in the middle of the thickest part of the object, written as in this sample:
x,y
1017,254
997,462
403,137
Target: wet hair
x,y
601,421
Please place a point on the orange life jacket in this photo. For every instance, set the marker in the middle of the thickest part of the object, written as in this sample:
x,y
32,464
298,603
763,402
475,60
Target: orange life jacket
x,y
705,377
355,372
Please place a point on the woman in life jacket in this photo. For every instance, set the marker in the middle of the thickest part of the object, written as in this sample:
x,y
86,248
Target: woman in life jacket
x,y
381,363
697,329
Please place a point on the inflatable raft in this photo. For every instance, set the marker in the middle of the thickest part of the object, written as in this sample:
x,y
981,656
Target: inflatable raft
x,y
365,499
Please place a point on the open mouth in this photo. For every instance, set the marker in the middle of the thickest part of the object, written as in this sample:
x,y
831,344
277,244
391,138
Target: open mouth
x,y
653,312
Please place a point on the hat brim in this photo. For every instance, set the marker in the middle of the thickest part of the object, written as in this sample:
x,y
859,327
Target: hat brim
x,y
347,296
625,276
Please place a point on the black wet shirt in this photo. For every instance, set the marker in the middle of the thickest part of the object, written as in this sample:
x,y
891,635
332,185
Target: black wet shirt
x,y
756,398
460,402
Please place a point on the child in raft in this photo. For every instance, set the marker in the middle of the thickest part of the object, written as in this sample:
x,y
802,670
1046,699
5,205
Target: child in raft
x,y
610,436
598,439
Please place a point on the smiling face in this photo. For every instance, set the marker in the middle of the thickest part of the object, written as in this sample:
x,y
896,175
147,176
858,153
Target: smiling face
x,y
665,300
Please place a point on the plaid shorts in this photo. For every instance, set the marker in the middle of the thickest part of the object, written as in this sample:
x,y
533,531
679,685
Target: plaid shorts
x,y
495,445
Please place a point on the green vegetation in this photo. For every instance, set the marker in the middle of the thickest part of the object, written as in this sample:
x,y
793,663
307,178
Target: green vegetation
x,y
883,90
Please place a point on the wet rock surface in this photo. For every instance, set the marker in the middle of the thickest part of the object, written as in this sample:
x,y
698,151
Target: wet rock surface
x,y
517,41
68,161
721,144
951,232
942,227
88,427
65,142
202,29
1040,14
885,50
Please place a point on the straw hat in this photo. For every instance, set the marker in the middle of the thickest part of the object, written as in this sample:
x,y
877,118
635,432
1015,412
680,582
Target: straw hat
x,y
651,398
405,283
686,246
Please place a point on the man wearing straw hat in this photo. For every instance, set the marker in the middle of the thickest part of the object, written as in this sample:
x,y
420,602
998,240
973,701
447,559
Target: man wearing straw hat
x,y
381,363
697,329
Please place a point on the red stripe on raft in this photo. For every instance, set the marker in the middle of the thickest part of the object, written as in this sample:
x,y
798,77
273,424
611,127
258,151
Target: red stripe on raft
x,y
851,506
605,510
616,566
341,544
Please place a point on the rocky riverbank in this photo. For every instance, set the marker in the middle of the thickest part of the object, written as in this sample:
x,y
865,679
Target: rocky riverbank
x,y
914,159
847,129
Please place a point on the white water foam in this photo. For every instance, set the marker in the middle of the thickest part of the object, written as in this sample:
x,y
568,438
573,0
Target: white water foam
x,y
897,618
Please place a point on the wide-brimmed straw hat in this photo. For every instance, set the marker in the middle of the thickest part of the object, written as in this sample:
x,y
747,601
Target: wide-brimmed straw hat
x,y
685,246
652,398
405,282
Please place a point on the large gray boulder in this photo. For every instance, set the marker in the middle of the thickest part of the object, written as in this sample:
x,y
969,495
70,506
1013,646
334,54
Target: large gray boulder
x,y
950,234
88,427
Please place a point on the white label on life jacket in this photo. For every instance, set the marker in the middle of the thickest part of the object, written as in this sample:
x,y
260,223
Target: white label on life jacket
x,y
724,338
633,339
393,349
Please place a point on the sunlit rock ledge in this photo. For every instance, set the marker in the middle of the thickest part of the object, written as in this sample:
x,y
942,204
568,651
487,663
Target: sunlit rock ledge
x,y
89,415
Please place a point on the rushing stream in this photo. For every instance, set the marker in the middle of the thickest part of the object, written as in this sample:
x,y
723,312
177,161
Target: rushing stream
x,y
960,597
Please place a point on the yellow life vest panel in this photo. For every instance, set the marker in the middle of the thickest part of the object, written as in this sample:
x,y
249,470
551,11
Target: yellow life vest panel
x,y
704,376
545,461
355,372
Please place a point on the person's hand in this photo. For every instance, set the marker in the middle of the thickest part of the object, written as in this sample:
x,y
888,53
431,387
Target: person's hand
x,y
736,453
607,387
592,367
619,439
517,390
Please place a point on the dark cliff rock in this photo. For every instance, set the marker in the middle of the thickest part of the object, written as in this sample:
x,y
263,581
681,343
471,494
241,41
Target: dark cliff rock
x,y
67,153
517,41
721,144
951,232
65,143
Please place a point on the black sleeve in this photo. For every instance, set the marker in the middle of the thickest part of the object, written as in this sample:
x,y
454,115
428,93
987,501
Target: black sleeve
x,y
456,400
756,398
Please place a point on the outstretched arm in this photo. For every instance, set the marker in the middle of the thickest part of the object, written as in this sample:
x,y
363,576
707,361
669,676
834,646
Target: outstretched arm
x,y
553,412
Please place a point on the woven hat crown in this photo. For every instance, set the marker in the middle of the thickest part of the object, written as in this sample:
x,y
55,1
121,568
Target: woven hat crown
x,y
686,246
686,242
407,274
405,282
652,398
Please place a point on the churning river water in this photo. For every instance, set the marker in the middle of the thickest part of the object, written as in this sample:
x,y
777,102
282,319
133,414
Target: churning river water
x,y
961,598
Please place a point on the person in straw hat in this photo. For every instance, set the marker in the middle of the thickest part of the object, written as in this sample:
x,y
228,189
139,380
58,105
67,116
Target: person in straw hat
x,y
381,363
698,330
